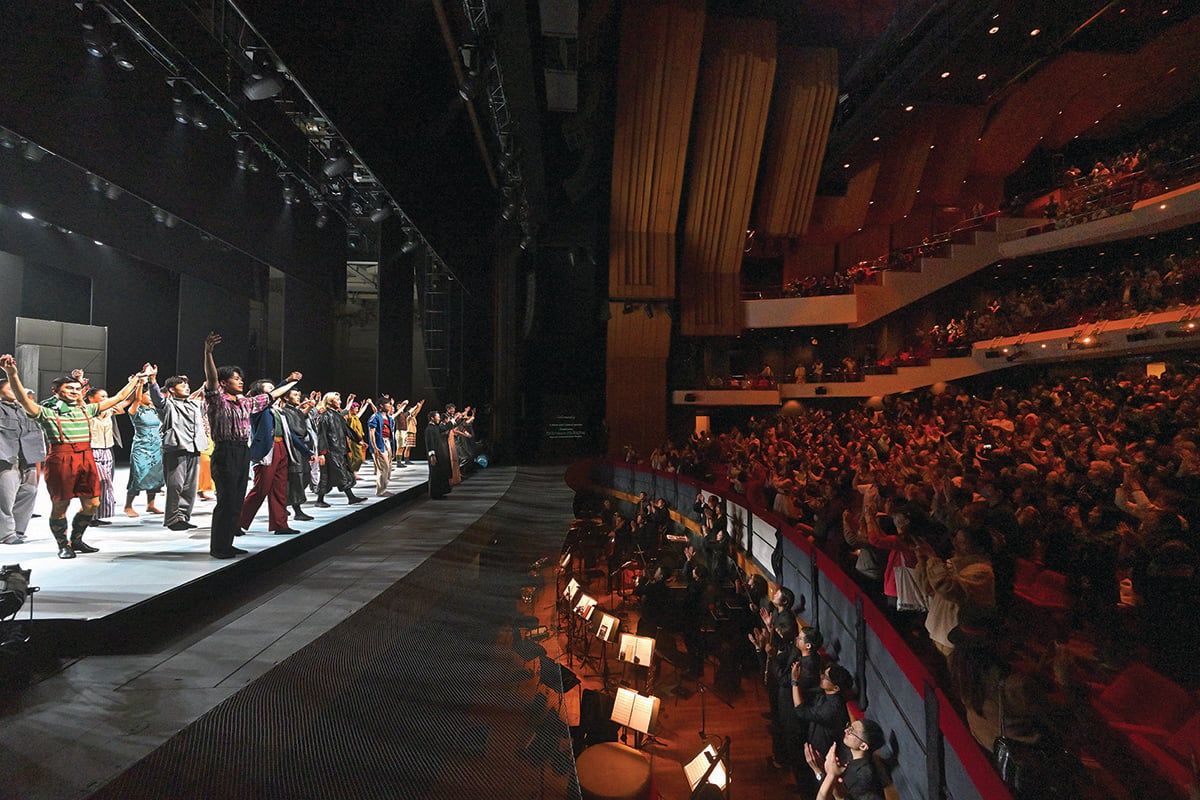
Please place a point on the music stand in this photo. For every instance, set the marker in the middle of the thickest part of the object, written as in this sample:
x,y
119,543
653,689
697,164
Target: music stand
x,y
556,677
708,773
606,632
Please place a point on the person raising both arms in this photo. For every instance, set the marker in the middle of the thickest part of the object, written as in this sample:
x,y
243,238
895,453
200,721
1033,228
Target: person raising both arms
x,y
70,468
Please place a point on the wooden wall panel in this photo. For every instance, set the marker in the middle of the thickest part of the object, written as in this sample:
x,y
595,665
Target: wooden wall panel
x,y
636,378
806,89
900,172
871,242
957,129
737,73
834,218
656,85
1023,118
918,225
803,260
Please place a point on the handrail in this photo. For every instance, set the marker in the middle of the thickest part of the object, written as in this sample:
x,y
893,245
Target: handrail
x,y
959,756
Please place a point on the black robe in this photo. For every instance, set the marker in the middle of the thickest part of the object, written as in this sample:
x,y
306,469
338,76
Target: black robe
x,y
437,443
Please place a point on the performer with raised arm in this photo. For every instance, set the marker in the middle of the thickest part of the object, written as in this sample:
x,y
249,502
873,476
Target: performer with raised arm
x,y
409,431
183,440
334,437
381,444
70,469
22,450
229,422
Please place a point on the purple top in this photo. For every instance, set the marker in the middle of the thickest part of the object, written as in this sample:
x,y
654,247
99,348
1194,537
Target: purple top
x,y
229,416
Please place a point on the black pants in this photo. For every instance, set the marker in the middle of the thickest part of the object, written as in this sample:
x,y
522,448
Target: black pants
x,y
231,473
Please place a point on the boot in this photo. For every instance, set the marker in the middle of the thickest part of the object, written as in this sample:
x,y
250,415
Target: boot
x,y
79,526
58,527
352,498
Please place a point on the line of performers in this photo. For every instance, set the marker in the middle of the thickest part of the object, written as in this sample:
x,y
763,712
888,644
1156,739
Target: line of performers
x,y
189,442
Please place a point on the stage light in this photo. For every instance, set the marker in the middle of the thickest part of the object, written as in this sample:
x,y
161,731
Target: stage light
x,y
199,112
381,211
8,139
91,15
509,211
95,182
468,89
411,243
289,190
26,215
265,80
526,241
179,103
120,48
337,163
322,215
33,152
241,154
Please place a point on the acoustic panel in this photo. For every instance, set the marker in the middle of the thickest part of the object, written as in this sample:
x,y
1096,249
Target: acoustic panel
x,y
738,70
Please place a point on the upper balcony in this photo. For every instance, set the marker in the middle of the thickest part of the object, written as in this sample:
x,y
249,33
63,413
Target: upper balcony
x,y
1117,214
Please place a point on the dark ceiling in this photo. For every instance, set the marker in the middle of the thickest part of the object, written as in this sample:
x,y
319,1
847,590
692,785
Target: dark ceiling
x,y
383,72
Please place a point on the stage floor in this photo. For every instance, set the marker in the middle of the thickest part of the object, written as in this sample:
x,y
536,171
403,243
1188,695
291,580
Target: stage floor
x,y
140,559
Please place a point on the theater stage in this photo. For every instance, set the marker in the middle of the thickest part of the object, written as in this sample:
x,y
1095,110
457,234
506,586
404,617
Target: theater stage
x,y
145,574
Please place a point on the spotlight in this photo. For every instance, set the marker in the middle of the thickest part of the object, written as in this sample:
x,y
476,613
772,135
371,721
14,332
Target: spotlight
x,y
91,15
162,217
26,215
264,81
526,241
382,210
120,50
179,103
97,29
509,211
242,155
112,191
411,243
9,140
33,152
95,182
289,190
468,89
322,215
337,163
199,112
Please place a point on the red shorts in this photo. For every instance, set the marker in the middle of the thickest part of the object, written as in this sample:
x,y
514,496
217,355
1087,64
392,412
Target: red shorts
x,y
71,472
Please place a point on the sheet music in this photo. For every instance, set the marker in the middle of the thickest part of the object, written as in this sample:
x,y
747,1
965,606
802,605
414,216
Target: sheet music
x,y
644,716
696,768
572,588
623,706
608,627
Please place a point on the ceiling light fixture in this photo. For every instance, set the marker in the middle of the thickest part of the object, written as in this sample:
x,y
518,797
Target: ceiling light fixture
x,y
1035,31
908,108
993,30
945,74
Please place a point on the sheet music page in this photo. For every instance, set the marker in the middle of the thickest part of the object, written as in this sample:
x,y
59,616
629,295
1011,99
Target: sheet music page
x,y
644,716
644,651
608,627
623,706
628,642
695,768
